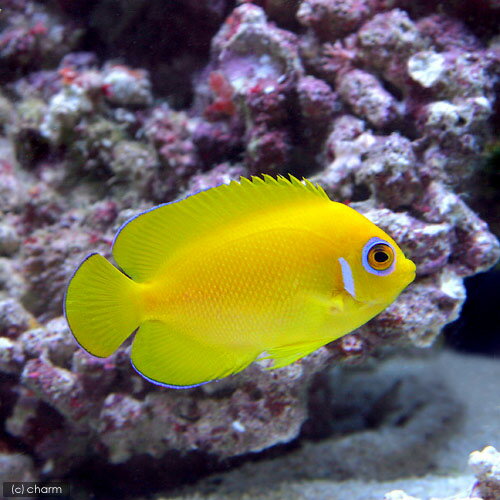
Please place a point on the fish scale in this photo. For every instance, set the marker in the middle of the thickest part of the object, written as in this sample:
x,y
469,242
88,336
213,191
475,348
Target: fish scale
x,y
216,279
228,302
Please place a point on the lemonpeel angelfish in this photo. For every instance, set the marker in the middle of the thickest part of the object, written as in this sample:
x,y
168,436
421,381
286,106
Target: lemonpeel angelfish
x,y
267,265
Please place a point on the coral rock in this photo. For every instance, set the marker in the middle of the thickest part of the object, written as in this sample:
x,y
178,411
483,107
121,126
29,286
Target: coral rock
x,y
125,87
54,340
419,313
58,387
331,19
14,318
428,245
47,273
367,97
135,163
318,103
387,104
16,467
486,466
476,248
119,417
389,172
12,284
387,41
222,174
64,112
9,239
169,133
426,67
11,356
32,37
12,192
260,62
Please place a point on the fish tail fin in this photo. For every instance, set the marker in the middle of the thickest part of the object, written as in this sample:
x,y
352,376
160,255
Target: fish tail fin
x,y
101,306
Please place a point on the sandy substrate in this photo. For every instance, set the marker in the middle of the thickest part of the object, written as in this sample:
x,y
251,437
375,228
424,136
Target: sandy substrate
x,y
446,406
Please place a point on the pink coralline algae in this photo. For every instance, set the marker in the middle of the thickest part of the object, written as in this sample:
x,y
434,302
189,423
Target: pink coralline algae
x,y
387,41
127,416
31,38
367,97
260,64
334,18
388,105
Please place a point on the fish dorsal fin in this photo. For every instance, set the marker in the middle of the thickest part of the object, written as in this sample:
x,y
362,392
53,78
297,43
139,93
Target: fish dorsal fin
x,y
145,242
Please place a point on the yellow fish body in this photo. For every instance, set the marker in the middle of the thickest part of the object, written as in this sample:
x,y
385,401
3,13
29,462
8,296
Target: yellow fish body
x,y
217,279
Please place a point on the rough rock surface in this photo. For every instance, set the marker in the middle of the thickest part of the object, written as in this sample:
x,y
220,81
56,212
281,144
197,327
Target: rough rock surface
x,y
389,105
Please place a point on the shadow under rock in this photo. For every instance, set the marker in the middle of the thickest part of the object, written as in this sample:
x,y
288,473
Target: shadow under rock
x,y
477,330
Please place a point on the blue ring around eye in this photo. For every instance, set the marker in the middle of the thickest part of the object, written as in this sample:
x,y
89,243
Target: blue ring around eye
x,y
366,250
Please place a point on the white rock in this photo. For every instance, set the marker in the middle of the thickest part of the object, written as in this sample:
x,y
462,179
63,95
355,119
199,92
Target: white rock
x,y
426,67
486,464
399,495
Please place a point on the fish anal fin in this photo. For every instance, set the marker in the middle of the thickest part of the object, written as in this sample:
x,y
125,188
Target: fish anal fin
x,y
170,358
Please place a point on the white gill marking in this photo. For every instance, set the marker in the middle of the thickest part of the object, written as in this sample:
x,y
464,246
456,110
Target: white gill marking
x,y
347,276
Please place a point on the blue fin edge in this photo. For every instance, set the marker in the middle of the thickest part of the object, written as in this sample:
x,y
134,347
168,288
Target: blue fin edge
x,y
170,386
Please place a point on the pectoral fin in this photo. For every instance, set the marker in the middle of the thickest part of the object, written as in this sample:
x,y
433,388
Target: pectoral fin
x,y
288,354
319,309
337,303
325,305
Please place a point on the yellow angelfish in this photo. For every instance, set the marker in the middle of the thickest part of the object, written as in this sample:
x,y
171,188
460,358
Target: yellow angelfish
x,y
217,279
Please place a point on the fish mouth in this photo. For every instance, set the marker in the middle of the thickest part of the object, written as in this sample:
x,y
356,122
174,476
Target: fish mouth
x,y
411,270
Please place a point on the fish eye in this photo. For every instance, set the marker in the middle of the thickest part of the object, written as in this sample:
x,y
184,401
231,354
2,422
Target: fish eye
x,y
378,257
